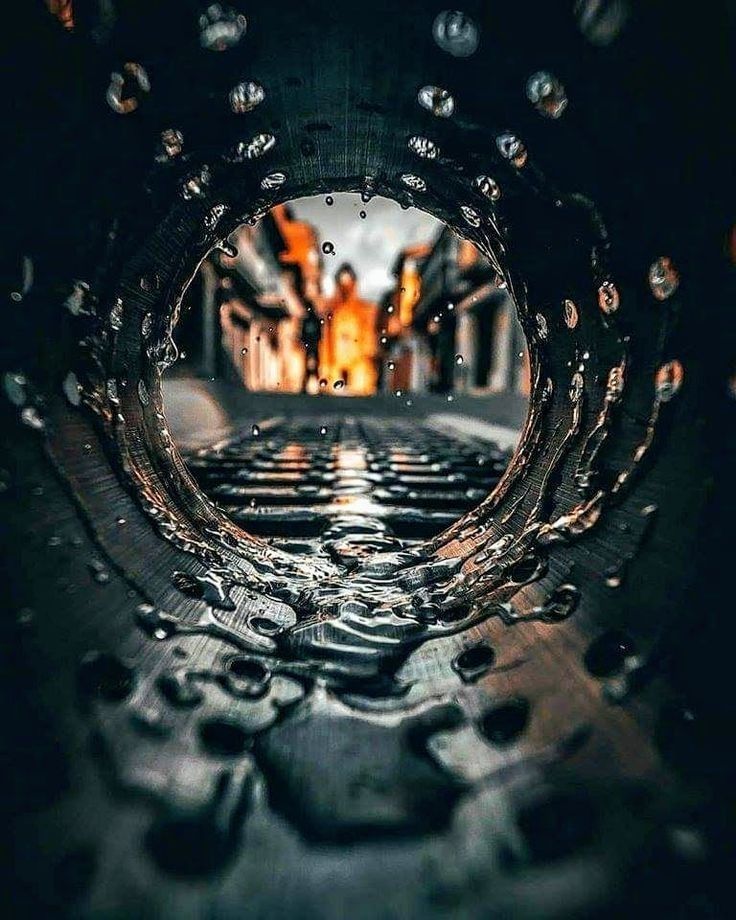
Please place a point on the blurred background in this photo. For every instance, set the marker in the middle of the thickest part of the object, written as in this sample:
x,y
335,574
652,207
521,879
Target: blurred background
x,y
341,296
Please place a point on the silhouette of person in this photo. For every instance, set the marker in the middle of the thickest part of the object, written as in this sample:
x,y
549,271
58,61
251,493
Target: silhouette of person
x,y
311,333
352,341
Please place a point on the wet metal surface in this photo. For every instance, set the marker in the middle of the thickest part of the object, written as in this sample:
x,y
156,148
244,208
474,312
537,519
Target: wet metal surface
x,y
523,714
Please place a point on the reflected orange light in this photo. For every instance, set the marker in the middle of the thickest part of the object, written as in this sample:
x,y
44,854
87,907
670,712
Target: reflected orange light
x,y
63,11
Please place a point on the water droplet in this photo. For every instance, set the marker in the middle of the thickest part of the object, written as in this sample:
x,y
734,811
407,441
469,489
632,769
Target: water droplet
x,y
470,215
255,148
15,386
338,384
221,27
505,722
391,365
608,298
458,359
179,688
423,147
194,185
230,250
273,180
150,282
146,325
72,388
570,312
511,148
436,100
663,278
456,33
143,393
414,182
323,431
488,187
116,315
577,385
473,662
76,302
245,97
328,247
243,351
255,430
171,143
98,571
155,622
560,604
31,417
363,215
601,21
247,677
329,201
126,89
547,94
265,626
668,380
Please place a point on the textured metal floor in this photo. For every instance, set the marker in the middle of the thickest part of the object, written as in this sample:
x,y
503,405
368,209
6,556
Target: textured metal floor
x,y
361,485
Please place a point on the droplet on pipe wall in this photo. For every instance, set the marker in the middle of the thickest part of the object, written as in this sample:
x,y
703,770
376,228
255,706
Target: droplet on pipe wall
x,y
436,100
255,148
273,180
668,380
245,97
488,187
221,27
547,94
423,147
416,183
456,33
512,148
570,312
664,278
608,297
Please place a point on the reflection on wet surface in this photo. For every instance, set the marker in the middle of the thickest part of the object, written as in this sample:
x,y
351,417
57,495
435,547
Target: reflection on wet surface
x,y
365,485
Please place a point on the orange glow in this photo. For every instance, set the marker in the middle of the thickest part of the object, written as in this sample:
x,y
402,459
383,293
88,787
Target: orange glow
x,y
63,11
302,249
467,255
349,345
393,319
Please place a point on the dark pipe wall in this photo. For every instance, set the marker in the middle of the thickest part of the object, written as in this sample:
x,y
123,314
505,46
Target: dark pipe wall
x,y
632,817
